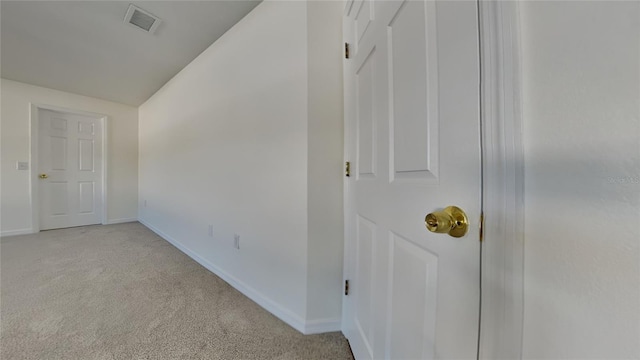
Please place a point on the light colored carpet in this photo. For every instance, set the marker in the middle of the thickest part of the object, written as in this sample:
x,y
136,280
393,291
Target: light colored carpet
x,y
122,292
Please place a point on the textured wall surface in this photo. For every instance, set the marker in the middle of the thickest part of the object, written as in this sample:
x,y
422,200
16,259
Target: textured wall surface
x,y
582,149
224,143
325,155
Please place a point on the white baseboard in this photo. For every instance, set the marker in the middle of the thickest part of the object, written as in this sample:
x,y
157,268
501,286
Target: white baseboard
x,y
322,326
295,321
121,221
16,232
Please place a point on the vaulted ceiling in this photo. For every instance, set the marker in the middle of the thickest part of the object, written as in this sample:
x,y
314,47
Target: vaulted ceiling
x,y
84,47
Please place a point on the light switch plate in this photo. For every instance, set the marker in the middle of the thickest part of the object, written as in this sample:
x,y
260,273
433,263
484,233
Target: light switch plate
x,y
22,165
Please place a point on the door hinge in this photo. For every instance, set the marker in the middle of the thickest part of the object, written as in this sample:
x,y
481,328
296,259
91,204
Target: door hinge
x,y
347,169
346,50
346,287
481,226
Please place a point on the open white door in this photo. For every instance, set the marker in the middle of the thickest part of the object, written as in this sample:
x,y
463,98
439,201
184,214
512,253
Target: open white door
x,y
69,169
413,141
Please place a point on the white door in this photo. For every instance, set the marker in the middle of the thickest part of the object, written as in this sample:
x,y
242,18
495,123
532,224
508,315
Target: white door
x,y
69,170
413,140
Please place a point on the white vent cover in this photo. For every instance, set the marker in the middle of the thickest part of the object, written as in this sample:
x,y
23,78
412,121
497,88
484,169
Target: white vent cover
x,y
141,19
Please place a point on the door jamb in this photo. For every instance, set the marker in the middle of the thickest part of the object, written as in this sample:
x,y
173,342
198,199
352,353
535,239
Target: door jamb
x,y
34,199
502,258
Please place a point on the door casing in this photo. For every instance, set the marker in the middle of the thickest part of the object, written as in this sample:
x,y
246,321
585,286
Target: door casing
x,y
33,158
502,257
502,253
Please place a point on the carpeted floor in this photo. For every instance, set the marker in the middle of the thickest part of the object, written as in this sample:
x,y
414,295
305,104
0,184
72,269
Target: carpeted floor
x,y
121,292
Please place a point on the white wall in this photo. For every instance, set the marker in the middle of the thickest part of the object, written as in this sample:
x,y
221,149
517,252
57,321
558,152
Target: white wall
x,y
122,181
325,155
227,142
581,62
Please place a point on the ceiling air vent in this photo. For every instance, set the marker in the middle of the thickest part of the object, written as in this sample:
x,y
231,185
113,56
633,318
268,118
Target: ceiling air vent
x,y
141,19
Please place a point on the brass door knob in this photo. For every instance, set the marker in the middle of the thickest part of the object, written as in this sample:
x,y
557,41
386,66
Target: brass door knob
x,y
43,176
452,220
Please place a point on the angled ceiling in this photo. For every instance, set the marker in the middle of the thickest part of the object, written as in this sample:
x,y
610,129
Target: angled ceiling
x,y
84,47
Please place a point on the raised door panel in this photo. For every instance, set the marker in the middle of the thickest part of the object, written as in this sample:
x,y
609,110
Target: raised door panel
x,y
86,196
58,153
366,118
363,280
58,125
364,16
413,91
348,5
86,155
412,306
58,198
86,128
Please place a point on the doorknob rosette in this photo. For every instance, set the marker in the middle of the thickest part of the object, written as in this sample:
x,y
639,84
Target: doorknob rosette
x,y
452,220
43,176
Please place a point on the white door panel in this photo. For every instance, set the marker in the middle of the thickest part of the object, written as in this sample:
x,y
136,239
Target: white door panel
x,y
366,124
365,263
413,288
363,17
413,91
412,135
70,155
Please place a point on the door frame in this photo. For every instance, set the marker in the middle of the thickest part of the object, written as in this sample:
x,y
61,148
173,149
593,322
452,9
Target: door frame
x,y
502,250
34,111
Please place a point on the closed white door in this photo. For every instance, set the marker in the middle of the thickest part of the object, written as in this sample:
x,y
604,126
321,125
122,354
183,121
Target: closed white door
x,y
69,170
413,140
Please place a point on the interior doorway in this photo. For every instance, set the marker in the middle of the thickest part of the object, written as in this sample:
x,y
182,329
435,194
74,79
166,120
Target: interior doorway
x,y
68,168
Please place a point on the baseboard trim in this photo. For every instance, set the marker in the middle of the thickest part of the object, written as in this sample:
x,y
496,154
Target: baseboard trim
x,y
121,221
271,306
322,326
16,232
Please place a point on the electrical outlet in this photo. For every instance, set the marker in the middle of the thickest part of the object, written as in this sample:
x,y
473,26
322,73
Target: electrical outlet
x,y
22,165
145,203
210,230
236,241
